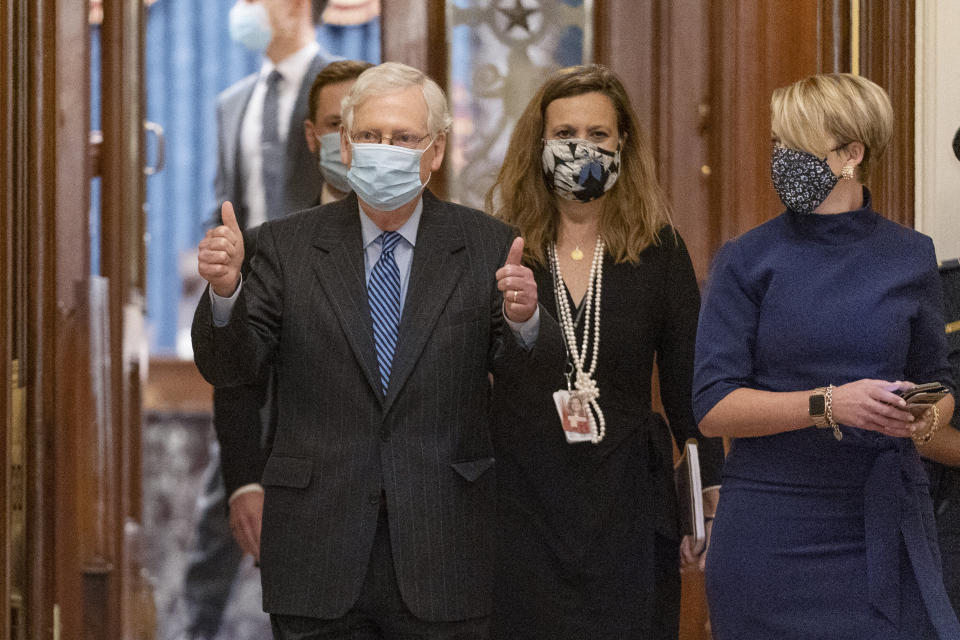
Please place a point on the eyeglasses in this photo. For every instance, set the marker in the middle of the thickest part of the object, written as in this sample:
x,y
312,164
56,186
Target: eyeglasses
x,y
399,138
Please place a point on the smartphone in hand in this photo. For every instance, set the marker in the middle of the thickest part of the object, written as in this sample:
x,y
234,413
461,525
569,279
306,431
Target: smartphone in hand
x,y
922,397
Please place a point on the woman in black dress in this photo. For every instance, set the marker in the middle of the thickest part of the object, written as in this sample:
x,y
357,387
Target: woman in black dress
x,y
589,543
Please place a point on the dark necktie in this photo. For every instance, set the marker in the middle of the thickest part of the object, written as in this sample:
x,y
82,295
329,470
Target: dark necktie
x,y
271,149
383,292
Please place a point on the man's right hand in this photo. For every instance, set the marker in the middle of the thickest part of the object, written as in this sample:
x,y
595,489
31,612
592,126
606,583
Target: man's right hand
x,y
220,254
246,516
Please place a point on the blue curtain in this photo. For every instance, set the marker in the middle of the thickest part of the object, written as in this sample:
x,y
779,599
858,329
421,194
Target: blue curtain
x,y
189,60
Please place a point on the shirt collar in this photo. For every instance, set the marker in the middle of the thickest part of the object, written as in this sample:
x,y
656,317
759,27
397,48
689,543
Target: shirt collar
x,y
294,67
408,230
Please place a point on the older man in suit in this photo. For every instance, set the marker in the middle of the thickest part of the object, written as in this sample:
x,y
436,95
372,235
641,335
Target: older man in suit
x,y
265,167
385,312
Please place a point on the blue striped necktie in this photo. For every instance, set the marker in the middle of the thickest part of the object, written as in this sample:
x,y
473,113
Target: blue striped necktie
x,y
383,292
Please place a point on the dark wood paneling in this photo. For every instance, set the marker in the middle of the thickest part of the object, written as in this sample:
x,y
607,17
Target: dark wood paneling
x,y
684,127
9,47
756,48
627,40
122,263
660,52
39,118
834,36
63,374
887,57
44,144
78,488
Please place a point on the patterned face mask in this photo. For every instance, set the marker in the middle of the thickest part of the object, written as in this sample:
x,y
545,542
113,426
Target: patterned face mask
x,y
578,169
802,180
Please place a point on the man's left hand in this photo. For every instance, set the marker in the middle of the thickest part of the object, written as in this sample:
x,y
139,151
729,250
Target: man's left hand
x,y
246,518
518,286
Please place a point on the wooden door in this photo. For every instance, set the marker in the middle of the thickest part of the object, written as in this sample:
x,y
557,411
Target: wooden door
x,y
70,400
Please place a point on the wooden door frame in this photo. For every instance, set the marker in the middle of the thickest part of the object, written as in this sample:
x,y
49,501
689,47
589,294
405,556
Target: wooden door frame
x,y
123,264
44,153
12,343
887,34
77,563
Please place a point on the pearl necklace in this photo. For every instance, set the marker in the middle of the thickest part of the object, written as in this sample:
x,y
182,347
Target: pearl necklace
x,y
585,384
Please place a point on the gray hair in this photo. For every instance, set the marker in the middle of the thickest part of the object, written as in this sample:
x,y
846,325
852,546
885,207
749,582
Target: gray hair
x,y
394,76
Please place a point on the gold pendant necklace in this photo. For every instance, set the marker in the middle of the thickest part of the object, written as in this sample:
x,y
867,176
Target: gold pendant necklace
x,y
576,254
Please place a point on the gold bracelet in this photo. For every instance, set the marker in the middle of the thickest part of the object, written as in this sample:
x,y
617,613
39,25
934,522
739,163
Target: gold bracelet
x,y
828,412
921,439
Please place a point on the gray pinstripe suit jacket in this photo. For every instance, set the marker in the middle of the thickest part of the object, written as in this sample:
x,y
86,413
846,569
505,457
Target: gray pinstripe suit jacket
x,y
340,442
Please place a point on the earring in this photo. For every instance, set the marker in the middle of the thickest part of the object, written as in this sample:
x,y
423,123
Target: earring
x,y
847,172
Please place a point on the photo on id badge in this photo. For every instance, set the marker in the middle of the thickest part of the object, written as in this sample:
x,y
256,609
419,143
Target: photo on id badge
x,y
574,416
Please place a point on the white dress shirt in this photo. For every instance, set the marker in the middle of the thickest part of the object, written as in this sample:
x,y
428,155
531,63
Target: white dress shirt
x,y
293,68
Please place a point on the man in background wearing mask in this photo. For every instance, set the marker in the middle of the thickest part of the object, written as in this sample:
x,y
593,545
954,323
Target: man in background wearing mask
x,y
385,312
243,455
322,128
266,167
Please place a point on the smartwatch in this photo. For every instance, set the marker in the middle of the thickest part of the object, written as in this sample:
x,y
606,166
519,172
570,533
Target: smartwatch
x,y
818,408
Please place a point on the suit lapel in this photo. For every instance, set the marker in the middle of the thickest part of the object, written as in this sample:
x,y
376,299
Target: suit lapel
x,y
301,171
339,267
300,107
438,263
233,121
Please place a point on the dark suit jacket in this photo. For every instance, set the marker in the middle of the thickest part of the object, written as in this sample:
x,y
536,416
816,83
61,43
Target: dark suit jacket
x,y
242,453
340,443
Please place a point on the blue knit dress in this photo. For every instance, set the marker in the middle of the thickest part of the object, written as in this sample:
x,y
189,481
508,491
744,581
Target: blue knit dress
x,y
814,537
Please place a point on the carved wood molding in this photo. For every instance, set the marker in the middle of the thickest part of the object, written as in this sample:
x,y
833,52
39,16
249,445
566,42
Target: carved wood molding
x,y
11,549
887,42
834,36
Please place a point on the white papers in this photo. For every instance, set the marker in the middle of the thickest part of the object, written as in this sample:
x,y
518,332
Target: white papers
x,y
689,491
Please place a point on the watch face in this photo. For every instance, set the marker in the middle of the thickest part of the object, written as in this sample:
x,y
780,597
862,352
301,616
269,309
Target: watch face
x,y
818,405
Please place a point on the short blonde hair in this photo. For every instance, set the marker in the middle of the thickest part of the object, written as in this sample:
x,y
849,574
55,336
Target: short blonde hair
x,y
821,112
394,76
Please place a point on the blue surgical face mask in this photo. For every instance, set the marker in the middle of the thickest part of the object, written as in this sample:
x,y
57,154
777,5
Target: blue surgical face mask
x,y
250,25
332,168
385,176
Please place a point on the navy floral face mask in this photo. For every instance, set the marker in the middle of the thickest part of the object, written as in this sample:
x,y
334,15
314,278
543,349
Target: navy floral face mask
x,y
578,169
802,180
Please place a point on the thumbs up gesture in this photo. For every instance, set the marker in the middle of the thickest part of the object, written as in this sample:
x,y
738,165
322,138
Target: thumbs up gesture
x,y
221,254
517,284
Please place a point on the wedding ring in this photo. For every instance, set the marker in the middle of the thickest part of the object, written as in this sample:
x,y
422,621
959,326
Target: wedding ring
x,y
516,292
